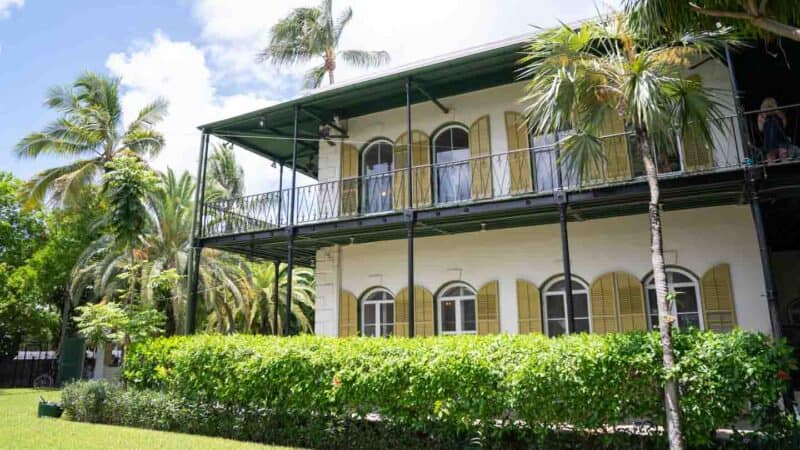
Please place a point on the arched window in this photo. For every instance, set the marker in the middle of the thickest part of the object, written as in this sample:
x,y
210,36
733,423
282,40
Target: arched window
x,y
556,312
686,306
377,313
378,164
453,175
456,305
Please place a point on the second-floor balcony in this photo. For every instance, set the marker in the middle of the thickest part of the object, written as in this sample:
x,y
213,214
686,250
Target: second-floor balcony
x,y
524,172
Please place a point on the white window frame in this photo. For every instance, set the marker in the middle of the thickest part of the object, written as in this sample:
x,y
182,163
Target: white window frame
x,y
458,299
563,293
436,166
693,283
364,175
378,306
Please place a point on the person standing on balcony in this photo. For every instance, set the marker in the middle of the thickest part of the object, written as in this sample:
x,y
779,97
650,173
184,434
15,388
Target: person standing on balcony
x,y
771,124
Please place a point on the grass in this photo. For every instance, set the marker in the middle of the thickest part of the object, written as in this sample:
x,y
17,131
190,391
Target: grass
x,y
21,429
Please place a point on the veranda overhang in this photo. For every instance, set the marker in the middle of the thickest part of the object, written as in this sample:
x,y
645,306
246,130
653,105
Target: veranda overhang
x,y
268,131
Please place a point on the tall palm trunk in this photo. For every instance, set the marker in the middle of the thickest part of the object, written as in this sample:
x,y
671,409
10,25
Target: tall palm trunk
x,y
330,63
671,401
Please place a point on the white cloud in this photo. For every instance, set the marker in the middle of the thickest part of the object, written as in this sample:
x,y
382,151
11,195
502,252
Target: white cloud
x,y
410,30
217,76
7,5
178,72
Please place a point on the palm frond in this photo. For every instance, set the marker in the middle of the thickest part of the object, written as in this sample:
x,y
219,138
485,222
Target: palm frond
x,y
150,115
365,59
313,78
338,27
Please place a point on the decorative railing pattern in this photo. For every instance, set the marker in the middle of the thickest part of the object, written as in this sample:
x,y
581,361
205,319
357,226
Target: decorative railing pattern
x,y
530,171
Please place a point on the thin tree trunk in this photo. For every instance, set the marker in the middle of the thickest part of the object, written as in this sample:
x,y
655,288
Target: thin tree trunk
x,y
330,76
665,318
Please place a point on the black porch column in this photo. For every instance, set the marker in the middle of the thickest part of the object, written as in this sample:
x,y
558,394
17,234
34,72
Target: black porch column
x,y
410,212
280,195
197,229
561,198
766,264
290,227
276,297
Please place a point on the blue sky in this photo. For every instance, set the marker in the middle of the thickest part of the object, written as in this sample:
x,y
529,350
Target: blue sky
x,y
199,55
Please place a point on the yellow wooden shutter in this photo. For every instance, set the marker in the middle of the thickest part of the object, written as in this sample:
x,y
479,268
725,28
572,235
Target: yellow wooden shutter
x,y
421,176
519,156
401,313
348,314
489,308
604,305
400,176
529,307
423,312
616,165
480,149
630,302
617,303
717,293
697,155
349,176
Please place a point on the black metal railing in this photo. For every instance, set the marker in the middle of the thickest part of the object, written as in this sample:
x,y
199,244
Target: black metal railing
x,y
737,142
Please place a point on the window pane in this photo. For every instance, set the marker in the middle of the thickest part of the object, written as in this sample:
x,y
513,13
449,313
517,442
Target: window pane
x,y
369,330
454,291
387,330
686,299
556,328
678,277
652,299
581,326
371,158
557,286
688,321
460,138
654,322
387,313
468,315
555,306
448,315
369,314
580,305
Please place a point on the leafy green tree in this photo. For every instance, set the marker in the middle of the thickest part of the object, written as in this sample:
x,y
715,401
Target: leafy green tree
x,y
89,128
755,17
313,32
579,78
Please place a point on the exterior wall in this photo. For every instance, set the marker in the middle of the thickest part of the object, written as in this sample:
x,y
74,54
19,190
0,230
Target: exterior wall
x,y
466,108
696,239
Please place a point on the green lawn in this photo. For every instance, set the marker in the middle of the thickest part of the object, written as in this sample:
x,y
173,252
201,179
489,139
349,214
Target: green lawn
x,y
21,429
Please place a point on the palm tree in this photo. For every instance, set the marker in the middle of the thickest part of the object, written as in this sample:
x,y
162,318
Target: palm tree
x,y
225,174
90,129
261,285
579,78
309,32
763,18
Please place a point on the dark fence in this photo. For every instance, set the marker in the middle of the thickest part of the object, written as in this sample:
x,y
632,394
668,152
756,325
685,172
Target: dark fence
x,y
35,365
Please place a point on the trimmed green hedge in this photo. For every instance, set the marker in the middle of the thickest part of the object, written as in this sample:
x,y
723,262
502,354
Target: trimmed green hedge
x,y
482,387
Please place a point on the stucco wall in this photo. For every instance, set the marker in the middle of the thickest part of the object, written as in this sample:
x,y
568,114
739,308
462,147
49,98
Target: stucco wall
x,y
466,108
696,239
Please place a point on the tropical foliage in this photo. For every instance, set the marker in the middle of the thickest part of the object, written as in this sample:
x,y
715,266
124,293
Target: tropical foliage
x,y
763,18
90,129
307,33
476,389
580,79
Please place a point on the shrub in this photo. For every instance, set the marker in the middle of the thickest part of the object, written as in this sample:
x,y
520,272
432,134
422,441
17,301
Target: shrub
x,y
89,402
470,387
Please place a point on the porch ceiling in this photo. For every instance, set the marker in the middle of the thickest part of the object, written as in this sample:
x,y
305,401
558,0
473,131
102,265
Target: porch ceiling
x,y
261,131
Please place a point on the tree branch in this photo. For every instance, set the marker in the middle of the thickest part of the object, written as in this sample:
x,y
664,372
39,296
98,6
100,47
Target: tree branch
x,y
759,21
